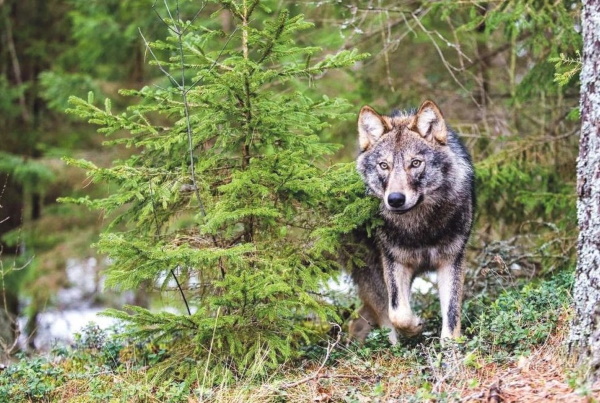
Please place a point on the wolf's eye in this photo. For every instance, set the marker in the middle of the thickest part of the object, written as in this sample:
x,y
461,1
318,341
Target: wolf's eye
x,y
415,163
384,166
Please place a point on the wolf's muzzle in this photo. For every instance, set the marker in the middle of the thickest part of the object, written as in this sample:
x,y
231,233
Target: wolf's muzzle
x,y
402,208
396,200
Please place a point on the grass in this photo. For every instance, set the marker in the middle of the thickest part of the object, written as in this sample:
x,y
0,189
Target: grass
x,y
513,351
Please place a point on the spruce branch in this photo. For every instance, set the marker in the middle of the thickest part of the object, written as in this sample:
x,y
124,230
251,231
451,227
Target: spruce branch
x,y
181,87
179,32
215,62
157,236
282,20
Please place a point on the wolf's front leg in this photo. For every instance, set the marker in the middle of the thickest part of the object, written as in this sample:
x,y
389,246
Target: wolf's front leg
x,y
450,286
398,280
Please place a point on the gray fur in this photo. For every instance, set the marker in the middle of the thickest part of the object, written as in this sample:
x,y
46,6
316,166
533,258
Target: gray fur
x,y
413,156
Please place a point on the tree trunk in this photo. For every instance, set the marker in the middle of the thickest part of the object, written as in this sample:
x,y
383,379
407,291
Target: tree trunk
x,y
584,339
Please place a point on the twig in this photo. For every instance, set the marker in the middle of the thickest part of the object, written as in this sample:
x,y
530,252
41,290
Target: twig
x,y
364,38
181,292
162,69
448,66
211,346
335,376
317,374
215,62
477,396
157,234
371,9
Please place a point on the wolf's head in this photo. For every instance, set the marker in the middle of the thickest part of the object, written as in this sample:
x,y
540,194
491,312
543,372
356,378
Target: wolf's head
x,y
405,158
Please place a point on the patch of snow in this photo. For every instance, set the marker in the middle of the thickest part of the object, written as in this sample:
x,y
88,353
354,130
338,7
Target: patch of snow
x,y
57,327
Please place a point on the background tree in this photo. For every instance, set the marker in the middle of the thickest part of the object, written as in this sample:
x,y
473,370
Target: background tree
x,y
26,177
585,330
48,51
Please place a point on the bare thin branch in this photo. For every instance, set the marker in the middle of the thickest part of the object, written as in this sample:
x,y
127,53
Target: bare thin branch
x,y
448,66
187,306
317,373
215,62
165,72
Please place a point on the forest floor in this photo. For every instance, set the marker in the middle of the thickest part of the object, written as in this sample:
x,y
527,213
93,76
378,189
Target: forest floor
x,y
375,372
514,350
543,375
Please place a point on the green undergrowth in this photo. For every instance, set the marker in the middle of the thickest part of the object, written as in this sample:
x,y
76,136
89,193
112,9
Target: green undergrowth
x,y
105,366
519,319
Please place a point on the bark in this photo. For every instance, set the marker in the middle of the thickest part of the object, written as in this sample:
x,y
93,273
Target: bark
x,y
584,339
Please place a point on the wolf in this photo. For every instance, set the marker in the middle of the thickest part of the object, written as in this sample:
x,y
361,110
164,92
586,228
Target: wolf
x,y
423,175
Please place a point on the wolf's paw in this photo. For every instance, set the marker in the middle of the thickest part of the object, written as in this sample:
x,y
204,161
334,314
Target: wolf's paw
x,y
415,328
409,325
448,334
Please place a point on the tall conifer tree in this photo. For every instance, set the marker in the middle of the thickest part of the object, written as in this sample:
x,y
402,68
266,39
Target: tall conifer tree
x,y
584,339
228,195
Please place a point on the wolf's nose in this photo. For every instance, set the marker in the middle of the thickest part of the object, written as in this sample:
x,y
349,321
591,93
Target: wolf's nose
x,y
396,199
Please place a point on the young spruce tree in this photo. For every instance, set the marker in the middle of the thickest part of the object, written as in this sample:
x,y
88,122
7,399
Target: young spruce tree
x,y
231,196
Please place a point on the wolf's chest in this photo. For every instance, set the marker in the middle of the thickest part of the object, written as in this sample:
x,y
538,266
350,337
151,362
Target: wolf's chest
x,y
422,250
420,260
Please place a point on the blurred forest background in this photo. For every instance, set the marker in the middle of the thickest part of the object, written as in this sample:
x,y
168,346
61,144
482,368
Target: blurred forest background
x,y
505,74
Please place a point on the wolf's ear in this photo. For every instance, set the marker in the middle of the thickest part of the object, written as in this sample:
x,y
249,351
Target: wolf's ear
x,y
371,127
430,123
